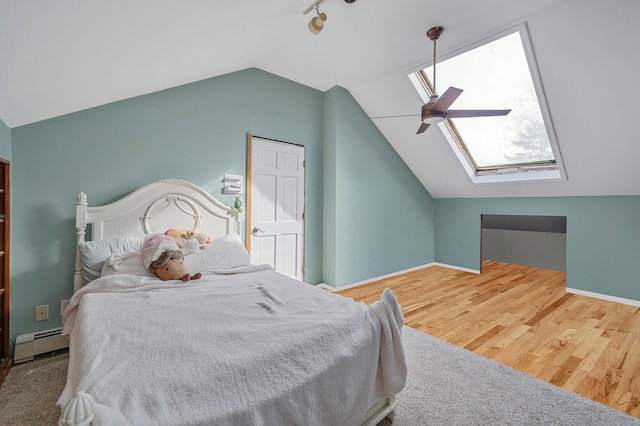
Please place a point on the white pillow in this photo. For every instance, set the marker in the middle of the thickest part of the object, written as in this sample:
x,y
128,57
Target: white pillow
x,y
130,264
94,253
222,253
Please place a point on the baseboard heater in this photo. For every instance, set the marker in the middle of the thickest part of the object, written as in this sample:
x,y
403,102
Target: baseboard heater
x,y
32,344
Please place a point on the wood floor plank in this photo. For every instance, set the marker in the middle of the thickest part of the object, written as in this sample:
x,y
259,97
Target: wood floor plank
x,y
524,318
565,371
548,310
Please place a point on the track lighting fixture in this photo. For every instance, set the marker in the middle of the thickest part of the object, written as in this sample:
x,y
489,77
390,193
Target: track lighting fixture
x,y
317,22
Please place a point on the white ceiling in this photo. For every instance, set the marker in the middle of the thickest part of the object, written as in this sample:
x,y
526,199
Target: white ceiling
x,y
63,56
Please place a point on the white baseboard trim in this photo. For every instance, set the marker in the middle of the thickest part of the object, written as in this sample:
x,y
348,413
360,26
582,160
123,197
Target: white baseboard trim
x,y
359,283
382,277
459,268
604,297
607,297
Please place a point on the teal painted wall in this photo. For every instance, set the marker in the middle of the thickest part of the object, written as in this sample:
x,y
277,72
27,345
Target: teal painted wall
x,y
603,237
5,141
383,215
197,132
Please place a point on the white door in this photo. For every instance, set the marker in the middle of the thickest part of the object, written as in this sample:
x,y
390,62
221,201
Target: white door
x,y
276,205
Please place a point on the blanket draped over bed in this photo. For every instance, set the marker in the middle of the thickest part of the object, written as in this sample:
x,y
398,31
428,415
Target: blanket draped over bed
x,y
245,348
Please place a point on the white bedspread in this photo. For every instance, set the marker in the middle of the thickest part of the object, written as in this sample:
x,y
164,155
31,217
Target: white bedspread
x,y
251,348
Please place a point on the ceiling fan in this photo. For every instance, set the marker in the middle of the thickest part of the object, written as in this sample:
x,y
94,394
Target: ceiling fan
x,y
437,109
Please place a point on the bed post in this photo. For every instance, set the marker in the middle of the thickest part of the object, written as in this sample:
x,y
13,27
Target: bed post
x,y
79,411
81,226
237,223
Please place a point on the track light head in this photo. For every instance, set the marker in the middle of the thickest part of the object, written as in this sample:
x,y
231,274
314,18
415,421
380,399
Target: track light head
x,y
317,23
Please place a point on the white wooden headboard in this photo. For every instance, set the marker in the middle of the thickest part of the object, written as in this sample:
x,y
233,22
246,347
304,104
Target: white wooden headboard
x,y
156,207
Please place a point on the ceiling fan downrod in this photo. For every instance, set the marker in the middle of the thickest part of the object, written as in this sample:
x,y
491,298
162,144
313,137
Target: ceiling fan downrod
x,y
434,34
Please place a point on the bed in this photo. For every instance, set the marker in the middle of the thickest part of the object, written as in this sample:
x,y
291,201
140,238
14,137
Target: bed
x,y
242,345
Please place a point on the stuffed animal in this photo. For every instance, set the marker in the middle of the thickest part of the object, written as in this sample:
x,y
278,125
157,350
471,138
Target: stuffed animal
x,y
161,254
183,235
180,235
170,266
201,238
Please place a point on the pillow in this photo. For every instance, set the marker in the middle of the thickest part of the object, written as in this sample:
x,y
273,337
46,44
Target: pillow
x,y
130,264
222,253
94,253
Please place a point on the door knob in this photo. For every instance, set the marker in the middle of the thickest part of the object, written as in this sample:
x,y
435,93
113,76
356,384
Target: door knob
x,y
255,230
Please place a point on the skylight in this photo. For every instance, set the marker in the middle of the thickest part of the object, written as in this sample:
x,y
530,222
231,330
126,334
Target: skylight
x,y
497,73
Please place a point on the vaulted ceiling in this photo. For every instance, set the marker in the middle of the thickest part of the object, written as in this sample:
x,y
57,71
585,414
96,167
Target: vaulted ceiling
x,y
63,56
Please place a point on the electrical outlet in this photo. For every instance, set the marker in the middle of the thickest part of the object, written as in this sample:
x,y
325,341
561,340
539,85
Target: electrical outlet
x,y
63,305
42,312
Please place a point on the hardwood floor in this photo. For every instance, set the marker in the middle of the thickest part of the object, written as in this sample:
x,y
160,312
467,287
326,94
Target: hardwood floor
x,y
523,317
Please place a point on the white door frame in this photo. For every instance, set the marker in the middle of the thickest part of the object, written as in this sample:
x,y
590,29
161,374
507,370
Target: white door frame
x,y
249,194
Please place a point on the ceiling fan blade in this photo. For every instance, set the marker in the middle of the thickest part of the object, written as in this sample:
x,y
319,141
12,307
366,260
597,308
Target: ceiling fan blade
x,y
394,116
461,113
446,99
422,128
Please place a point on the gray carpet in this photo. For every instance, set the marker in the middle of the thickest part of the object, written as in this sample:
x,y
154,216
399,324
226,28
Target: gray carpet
x,y
29,393
446,386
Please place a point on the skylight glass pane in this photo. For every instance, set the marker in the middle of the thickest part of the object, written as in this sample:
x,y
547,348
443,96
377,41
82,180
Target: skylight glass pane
x,y
496,76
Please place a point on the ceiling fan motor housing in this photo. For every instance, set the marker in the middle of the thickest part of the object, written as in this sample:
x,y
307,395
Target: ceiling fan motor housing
x,y
432,117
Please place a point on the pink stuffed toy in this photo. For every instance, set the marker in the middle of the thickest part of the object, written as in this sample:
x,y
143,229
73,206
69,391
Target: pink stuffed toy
x,y
188,240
